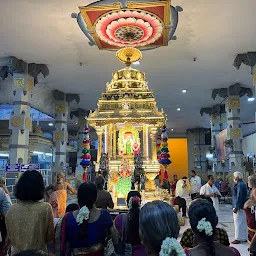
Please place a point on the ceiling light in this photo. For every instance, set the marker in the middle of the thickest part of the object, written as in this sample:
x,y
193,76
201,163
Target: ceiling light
x,y
37,153
48,154
4,155
50,124
178,109
208,155
251,99
136,63
172,129
184,91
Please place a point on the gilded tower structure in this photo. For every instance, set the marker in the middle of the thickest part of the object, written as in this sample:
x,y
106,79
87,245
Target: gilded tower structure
x,y
127,118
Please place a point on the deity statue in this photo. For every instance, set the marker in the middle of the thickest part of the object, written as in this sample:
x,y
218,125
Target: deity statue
x,y
128,141
136,148
128,146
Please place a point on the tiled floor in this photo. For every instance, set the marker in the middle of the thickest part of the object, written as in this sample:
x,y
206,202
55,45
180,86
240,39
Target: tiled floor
x,y
225,221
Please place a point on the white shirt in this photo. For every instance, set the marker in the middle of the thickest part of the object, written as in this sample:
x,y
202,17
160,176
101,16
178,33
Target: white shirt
x,y
180,190
195,183
207,190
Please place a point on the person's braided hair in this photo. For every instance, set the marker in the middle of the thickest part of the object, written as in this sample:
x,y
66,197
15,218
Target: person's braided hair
x,y
87,196
199,209
132,232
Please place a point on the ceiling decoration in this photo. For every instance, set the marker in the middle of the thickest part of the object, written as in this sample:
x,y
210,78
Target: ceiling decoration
x,y
144,24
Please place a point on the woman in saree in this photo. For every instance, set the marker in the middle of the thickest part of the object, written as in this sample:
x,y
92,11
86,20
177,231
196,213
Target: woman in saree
x,y
250,208
84,231
58,197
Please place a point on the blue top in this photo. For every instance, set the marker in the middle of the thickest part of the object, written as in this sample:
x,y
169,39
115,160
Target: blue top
x,y
97,231
239,195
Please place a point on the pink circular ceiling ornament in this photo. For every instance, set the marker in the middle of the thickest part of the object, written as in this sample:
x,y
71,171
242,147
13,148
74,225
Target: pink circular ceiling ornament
x,y
129,28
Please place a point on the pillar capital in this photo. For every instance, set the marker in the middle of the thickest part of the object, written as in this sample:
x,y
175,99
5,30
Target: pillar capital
x,y
248,59
69,97
19,66
99,130
79,113
233,90
153,131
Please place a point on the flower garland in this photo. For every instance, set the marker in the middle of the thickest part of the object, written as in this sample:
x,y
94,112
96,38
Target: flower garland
x,y
169,245
134,199
204,225
83,214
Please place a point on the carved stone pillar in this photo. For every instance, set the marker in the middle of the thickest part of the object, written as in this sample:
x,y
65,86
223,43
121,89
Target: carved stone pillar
x,y
99,131
20,122
234,132
248,59
145,141
24,78
81,114
232,95
60,136
217,114
109,137
114,141
153,133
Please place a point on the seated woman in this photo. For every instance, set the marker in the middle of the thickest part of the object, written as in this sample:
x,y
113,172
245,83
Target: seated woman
x,y
203,221
130,223
188,239
159,229
84,231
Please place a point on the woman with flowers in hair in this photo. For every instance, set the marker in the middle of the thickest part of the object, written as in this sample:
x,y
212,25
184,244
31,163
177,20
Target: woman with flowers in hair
x,y
250,208
128,224
159,229
84,231
203,221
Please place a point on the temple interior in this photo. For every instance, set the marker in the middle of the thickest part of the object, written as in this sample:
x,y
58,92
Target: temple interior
x,y
162,87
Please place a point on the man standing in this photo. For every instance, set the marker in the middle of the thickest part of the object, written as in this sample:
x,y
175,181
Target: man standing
x,y
210,190
239,198
104,199
181,194
195,183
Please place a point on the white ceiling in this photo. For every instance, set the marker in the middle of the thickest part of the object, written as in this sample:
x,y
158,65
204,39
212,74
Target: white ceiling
x,y
213,32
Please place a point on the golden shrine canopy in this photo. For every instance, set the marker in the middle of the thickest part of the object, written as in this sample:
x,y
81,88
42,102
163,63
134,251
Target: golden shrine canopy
x,y
127,97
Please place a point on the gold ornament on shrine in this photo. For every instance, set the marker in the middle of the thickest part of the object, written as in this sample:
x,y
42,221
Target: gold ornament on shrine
x,y
236,133
16,121
129,55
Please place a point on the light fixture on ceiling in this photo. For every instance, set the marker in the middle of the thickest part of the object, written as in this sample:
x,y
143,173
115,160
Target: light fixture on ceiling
x,y
178,109
136,63
48,154
37,152
172,129
251,99
209,155
184,91
50,124
4,155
